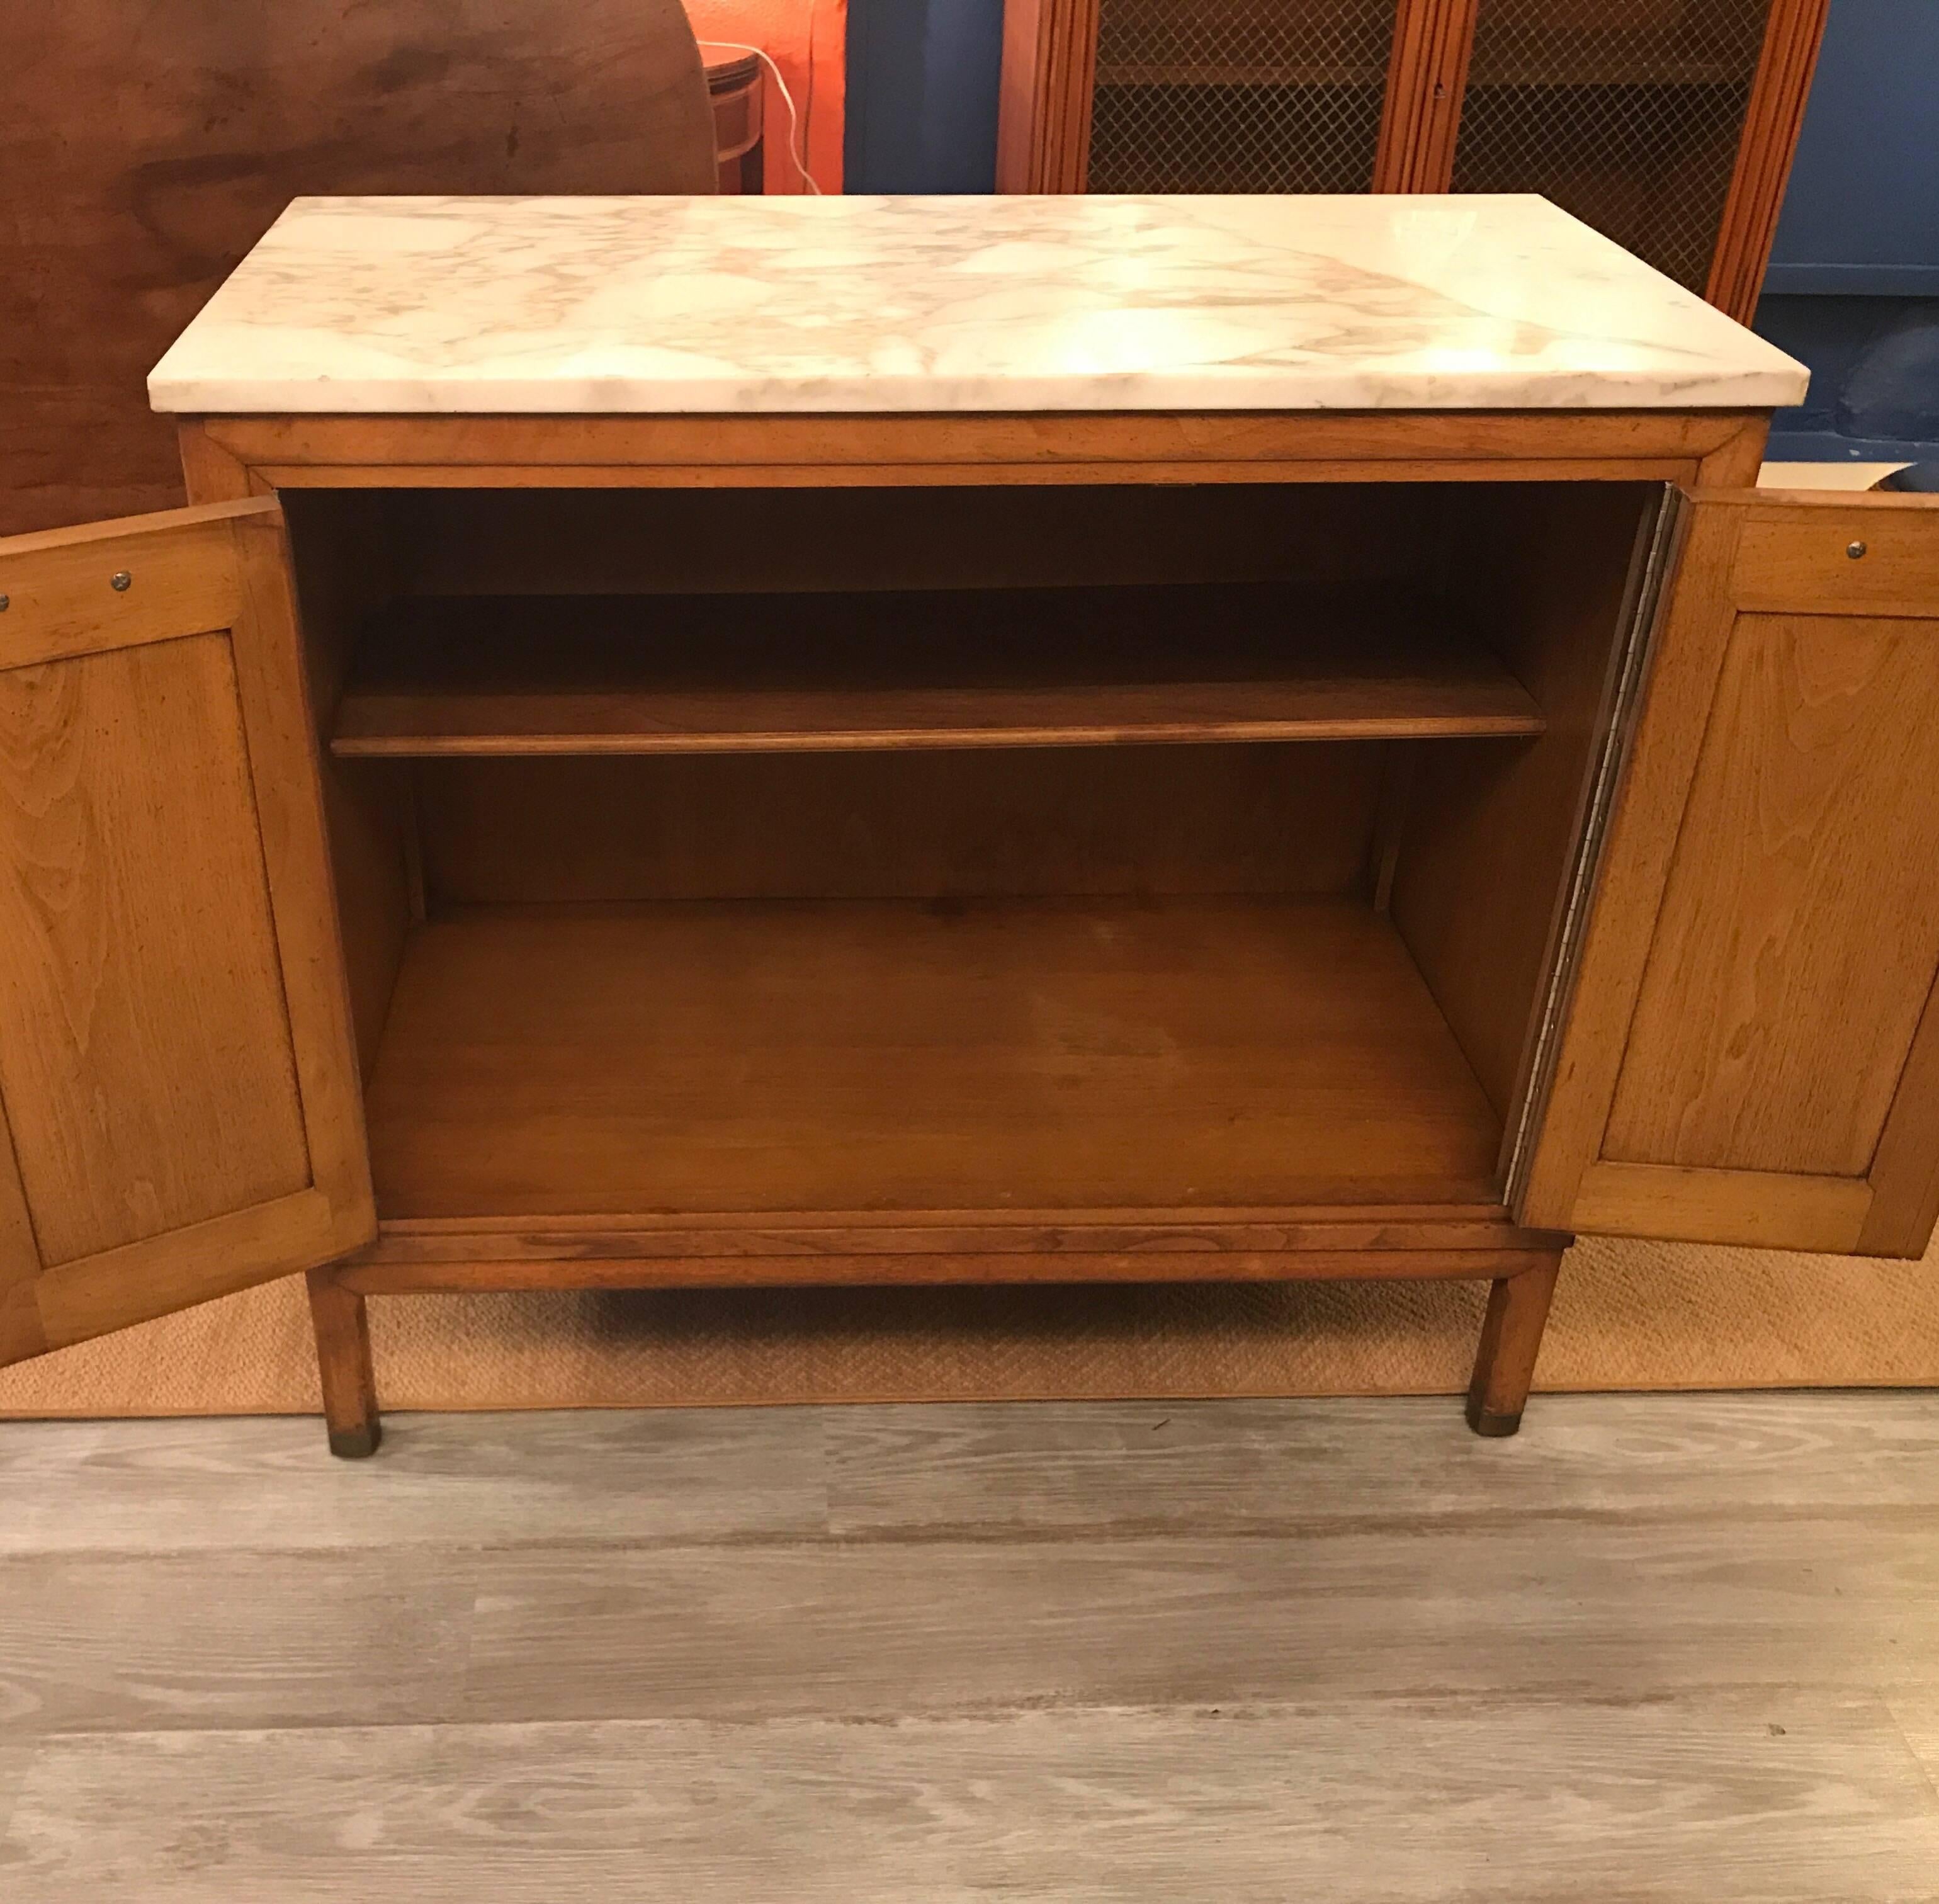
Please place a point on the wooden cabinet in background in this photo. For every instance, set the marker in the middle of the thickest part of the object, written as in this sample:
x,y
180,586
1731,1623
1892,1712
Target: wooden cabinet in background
x,y
1668,125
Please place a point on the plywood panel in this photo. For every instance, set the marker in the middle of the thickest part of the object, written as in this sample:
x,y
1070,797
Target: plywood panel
x,y
1798,940
1293,818
688,541
1485,850
145,1055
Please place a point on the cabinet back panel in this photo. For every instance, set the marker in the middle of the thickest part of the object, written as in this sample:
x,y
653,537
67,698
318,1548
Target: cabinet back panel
x,y
694,542
1294,818
1812,827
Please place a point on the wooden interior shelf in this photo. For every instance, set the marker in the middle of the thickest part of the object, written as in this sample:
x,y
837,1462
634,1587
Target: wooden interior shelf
x,y
953,668
902,1055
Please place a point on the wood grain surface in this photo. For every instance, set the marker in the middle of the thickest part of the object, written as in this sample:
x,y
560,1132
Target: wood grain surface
x,y
1917,1710
834,672
949,1625
1486,847
182,1113
162,137
327,1639
915,823
962,449
1812,828
866,1058
1787,1799
1781,783
1677,1648
148,1093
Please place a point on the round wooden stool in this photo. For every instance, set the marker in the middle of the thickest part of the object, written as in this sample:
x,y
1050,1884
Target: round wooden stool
x,y
734,85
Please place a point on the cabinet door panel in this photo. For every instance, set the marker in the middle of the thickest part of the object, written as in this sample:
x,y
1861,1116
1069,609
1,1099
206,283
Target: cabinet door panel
x,y
122,1015
1749,1054
1798,936
179,1102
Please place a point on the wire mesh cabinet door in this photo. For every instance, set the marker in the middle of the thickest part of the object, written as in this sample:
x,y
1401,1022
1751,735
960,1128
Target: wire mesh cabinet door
x,y
1238,95
1210,95
1668,125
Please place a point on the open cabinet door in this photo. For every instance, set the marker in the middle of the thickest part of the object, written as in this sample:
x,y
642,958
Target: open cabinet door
x,y
1746,1046
179,1108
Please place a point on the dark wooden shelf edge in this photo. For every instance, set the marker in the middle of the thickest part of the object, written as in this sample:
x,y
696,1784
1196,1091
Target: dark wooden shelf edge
x,y
954,669
365,745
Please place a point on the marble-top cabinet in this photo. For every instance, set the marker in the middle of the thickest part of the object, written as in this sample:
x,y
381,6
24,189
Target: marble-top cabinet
x,y
791,740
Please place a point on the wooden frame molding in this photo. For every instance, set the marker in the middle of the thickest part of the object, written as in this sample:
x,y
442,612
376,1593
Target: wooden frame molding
x,y
1761,1209
1772,123
233,455
1648,815
1043,108
1271,1244
369,1278
1425,83
1523,1280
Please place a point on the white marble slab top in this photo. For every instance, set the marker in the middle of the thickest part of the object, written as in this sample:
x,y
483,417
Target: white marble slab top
x,y
641,305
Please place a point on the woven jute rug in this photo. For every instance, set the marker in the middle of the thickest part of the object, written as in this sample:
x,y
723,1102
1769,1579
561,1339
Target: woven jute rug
x,y
1627,1316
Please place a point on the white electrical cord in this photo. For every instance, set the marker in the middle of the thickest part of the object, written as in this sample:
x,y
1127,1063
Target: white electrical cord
x,y
787,98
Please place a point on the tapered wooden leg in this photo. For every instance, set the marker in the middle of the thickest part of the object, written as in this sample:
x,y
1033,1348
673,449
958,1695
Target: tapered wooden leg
x,y
1510,1339
343,1360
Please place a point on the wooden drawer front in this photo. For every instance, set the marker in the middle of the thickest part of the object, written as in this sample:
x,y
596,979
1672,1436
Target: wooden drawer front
x,y
1800,930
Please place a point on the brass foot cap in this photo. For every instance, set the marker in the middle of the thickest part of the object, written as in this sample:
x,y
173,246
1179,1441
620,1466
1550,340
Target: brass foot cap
x,y
1485,1421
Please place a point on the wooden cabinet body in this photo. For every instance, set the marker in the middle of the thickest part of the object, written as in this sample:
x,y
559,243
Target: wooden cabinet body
x,y
1668,125
780,849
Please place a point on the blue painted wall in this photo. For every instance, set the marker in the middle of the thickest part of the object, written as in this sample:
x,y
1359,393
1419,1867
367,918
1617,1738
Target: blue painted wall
x,y
1853,288
1861,214
922,95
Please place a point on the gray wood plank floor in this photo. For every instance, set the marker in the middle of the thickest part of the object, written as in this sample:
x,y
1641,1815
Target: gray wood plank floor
x,y
1657,1647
